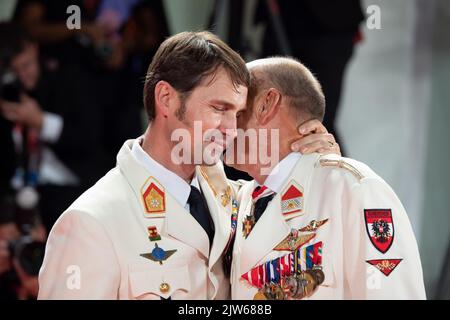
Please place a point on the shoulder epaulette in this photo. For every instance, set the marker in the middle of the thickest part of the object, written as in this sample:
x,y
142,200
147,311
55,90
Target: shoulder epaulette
x,y
341,163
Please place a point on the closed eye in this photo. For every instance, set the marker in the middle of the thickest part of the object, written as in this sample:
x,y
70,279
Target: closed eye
x,y
219,108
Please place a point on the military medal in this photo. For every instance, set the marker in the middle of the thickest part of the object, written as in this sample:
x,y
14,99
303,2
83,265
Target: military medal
x,y
275,292
294,241
318,275
226,197
313,226
305,285
153,234
309,282
247,225
234,215
158,254
250,220
291,286
260,296
295,275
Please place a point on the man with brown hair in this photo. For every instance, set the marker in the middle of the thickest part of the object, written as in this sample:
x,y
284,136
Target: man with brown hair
x,y
318,227
155,227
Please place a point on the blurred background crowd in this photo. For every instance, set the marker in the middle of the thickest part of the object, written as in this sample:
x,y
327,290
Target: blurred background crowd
x,y
69,98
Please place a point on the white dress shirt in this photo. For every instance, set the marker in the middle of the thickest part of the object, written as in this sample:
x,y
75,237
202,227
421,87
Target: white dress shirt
x,y
281,172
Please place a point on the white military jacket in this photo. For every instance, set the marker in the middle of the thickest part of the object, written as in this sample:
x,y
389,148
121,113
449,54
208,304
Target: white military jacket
x,y
348,222
117,241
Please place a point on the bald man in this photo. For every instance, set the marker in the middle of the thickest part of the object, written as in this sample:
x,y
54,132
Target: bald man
x,y
316,227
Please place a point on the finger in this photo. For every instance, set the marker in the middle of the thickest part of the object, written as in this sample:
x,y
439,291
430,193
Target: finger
x,y
315,146
303,141
312,126
334,150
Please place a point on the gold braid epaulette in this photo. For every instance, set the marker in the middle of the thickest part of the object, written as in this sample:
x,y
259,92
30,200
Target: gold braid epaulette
x,y
211,185
341,164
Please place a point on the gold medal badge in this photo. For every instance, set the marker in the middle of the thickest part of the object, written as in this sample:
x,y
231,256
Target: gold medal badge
x,y
294,241
313,225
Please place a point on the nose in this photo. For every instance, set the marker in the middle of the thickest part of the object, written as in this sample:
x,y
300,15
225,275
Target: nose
x,y
228,125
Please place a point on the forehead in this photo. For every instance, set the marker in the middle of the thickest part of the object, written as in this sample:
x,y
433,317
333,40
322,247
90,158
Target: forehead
x,y
220,87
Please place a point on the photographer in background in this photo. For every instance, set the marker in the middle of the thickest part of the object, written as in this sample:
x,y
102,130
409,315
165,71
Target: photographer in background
x,y
114,45
322,34
55,125
22,246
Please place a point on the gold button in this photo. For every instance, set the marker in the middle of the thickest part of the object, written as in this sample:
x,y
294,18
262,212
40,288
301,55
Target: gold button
x,y
164,287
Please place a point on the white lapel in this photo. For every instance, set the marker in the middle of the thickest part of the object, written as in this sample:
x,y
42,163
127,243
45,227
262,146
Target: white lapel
x,y
178,221
269,231
181,225
272,227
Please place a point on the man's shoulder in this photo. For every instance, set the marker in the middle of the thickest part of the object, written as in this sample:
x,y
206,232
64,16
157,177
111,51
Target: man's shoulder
x,y
105,198
351,169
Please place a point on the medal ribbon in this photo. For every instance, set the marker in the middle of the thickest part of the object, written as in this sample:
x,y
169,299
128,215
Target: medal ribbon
x,y
275,270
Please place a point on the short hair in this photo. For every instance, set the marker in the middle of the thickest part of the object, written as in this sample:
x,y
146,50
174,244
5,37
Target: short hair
x,y
13,41
295,82
187,58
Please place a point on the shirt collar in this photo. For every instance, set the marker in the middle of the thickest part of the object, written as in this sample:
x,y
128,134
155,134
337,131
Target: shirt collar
x,y
178,188
281,172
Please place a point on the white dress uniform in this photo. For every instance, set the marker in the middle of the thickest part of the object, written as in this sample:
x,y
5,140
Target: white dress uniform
x,y
340,218
131,236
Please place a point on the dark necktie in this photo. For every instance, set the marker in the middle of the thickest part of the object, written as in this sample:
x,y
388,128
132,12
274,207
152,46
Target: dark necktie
x,y
199,210
261,205
262,202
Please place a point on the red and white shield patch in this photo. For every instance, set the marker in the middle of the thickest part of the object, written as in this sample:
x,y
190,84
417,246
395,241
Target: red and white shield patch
x,y
380,228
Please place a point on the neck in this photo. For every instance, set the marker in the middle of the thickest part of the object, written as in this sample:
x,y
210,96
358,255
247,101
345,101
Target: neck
x,y
257,170
159,148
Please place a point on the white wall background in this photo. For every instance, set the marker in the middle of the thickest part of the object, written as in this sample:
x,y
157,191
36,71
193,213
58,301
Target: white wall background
x,y
383,103
393,114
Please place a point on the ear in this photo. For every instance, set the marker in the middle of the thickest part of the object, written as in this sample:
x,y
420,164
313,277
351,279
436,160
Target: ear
x,y
269,106
164,92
